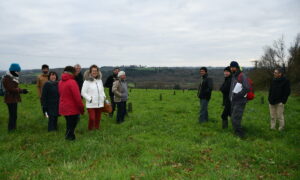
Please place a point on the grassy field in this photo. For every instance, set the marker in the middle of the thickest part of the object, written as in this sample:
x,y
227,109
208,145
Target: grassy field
x,y
159,140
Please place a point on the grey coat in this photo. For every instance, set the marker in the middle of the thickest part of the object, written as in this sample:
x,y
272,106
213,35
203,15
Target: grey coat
x,y
241,96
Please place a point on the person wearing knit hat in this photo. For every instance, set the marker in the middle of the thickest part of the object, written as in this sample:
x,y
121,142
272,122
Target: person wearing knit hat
x,y
120,90
238,96
12,94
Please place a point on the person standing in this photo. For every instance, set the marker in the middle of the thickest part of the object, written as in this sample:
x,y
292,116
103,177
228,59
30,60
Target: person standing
x,y
278,95
93,93
12,94
204,94
50,101
70,104
238,96
109,84
78,76
40,82
225,89
120,90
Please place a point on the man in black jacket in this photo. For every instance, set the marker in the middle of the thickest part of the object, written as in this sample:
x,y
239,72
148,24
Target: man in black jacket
x,y
109,84
204,94
225,89
78,76
278,96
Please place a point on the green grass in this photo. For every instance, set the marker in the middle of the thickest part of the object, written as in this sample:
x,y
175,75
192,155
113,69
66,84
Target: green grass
x,y
159,140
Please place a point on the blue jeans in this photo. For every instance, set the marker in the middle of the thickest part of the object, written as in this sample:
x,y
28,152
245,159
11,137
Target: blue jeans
x,y
203,117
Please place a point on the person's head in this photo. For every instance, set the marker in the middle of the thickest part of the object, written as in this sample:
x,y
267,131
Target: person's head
x,y
52,76
116,71
122,75
77,69
227,72
203,71
45,69
278,73
94,71
69,69
15,69
234,66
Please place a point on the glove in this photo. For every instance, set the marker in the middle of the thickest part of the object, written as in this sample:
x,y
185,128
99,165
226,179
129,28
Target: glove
x,y
24,91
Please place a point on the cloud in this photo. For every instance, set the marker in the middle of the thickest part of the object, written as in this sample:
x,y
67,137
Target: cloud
x,y
148,32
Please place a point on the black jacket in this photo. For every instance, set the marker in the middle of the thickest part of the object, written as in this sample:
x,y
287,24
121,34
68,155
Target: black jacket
x,y
204,89
109,84
79,80
50,98
279,91
225,89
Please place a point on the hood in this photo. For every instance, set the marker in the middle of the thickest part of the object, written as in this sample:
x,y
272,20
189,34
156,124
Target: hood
x,y
88,77
66,76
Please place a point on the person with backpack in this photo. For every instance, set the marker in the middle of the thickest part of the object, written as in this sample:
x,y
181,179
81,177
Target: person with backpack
x,y
93,93
50,101
225,89
70,103
12,94
204,94
238,96
278,95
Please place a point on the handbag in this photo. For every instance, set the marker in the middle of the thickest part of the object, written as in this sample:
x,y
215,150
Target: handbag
x,y
107,108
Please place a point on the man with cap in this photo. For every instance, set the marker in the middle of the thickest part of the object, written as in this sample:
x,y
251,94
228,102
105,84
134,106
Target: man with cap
x,y
225,89
278,96
109,84
238,97
12,94
120,91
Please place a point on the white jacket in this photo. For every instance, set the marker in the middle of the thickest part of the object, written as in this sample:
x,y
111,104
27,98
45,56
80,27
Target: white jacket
x,y
93,93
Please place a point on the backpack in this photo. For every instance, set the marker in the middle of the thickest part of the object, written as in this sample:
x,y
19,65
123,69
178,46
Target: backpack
x,y
2,89
250,94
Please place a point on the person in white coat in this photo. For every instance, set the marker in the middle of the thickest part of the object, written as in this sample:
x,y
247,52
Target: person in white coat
x,y
93,92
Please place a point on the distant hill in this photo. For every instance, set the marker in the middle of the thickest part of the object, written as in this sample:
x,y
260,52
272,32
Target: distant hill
x,y
149,77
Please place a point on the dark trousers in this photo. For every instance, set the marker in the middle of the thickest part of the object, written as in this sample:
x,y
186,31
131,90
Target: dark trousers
x,y
226,113
237,110
52,123
71,125
43,109
12,117
121,111
113,104
203,117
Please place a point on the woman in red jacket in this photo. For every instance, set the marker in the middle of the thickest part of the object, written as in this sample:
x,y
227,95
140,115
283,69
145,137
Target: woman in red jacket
x,y
70,103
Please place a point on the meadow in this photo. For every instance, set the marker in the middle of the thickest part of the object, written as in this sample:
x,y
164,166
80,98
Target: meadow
x,y
159,140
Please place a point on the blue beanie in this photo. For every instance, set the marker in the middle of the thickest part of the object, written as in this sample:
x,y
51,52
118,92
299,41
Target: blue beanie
x,y
15,67
234,64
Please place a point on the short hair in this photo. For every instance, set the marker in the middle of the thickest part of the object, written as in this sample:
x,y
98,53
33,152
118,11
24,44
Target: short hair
x,y
117,68
77,65
280,70
53,73
70,69
203,68
44,66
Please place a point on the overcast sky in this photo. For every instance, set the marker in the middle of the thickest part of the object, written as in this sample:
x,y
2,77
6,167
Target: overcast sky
x,y
142,32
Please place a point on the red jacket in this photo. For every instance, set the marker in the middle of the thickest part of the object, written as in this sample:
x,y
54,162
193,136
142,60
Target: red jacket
x,y
70,102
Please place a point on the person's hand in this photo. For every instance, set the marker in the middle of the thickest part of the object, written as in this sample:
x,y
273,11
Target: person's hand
x,y
24,91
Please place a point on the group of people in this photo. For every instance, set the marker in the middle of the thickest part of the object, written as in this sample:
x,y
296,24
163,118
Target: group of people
x,y
64,97
237,90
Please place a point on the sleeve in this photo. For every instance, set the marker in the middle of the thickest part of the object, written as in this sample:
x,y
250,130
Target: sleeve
x,y
44,96
76,95
107,82
103,92
38,85
115,89
7,83
84,92
287,92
